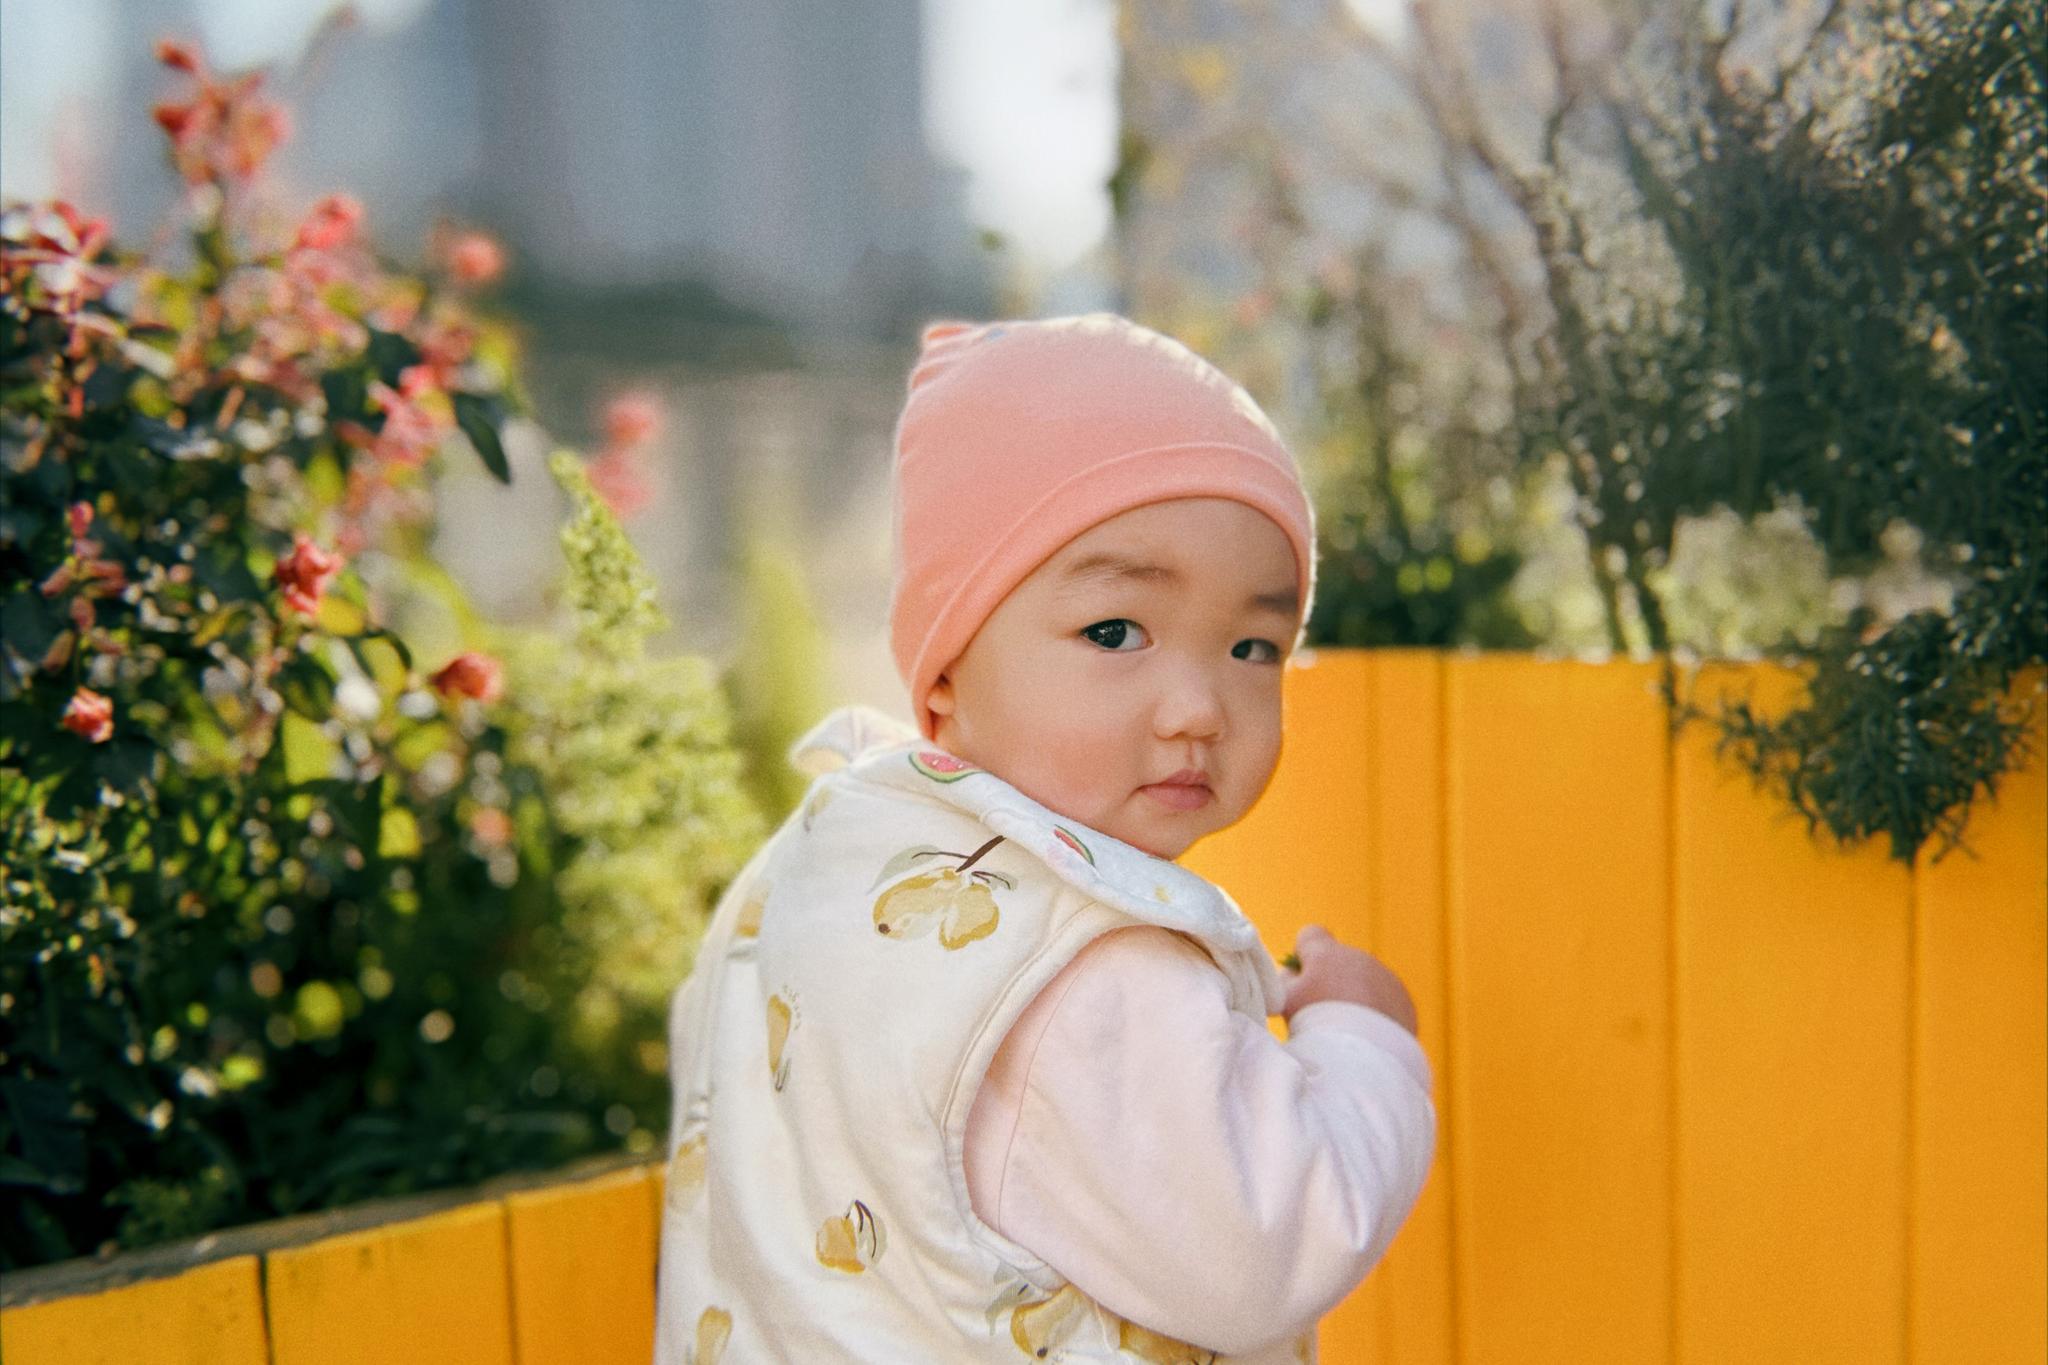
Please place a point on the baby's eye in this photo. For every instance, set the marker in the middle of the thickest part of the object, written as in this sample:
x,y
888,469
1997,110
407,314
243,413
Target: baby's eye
x,y
1113,633
1267,643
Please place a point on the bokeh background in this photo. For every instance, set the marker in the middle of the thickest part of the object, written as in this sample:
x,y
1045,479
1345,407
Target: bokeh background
x,y
746,214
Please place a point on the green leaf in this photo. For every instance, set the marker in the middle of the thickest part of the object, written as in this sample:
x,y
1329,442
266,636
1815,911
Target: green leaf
x,y
376,668
51,1139
29,623
390,353
307,685
479,416
903,861
348,395
125,762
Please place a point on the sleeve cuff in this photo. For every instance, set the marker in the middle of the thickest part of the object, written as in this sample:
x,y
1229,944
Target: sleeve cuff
x,y
1363,1021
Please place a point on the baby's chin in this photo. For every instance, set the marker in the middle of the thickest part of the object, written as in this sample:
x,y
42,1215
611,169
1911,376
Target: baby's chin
x,y
1149,838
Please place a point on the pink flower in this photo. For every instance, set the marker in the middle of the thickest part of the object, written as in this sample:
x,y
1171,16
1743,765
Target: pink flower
x,y
470,674
632,418
331,223
226,127
444,346
476,258
620,478
80,515
57,254
304,574
491,826
410,432
90,714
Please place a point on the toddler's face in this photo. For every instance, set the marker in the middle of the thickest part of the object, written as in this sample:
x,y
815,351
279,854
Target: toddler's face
x,y
1151,643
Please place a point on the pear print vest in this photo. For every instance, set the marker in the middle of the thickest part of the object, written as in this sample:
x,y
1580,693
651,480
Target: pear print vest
x,y
848,997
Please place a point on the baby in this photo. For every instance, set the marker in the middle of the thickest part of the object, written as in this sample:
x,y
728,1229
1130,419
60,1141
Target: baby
x,y
969,1068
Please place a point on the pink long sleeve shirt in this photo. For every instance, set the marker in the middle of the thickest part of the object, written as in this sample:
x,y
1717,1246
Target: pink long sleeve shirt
x,y
1184,1167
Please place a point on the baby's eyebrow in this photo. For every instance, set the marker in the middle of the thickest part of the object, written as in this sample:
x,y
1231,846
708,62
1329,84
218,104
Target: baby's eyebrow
x,y
1107,567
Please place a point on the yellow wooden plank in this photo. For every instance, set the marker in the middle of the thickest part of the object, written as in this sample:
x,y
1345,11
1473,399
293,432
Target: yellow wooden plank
x,y
1295,857
1558,940
1980,1095
425,1291
582,1258
210,1315
1411,1288
1301,856
1791,1068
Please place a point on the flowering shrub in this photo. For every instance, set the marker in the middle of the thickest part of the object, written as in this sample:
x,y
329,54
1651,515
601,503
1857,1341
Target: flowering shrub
x,y
280,925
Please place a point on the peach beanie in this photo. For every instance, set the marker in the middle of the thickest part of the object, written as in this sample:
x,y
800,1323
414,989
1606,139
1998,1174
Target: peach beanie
x,y
1018,435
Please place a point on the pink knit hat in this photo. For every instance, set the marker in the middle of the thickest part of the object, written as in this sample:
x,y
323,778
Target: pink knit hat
x,y
1018,435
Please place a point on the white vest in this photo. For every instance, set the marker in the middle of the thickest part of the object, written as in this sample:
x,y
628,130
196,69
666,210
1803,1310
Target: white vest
x,y
848,997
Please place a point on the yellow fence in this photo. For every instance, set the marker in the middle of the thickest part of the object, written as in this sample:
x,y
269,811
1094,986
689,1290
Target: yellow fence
x,y
1708,1092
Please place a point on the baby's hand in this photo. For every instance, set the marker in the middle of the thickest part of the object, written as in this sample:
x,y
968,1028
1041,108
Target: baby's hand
x,y
1330,970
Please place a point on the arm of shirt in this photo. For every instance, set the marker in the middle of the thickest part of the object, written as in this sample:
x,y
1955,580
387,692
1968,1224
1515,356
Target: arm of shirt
x,y
1181,1165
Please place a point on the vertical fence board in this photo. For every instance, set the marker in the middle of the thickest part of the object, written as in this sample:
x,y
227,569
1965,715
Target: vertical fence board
x,y
1404,717
1558,949
425,1291
1301,857
1980,1100
1792,1013
1296,857
582,1259
211,1315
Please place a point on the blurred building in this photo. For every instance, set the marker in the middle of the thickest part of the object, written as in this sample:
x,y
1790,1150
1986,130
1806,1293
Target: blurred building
x,y
733,207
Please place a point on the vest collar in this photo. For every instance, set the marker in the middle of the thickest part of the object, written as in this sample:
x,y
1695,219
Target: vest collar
x,y
878,748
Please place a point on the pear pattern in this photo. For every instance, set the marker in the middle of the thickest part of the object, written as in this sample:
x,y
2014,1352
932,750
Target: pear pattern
x,y
959,901
852,1242
821,796
746,926
686,1172
954,888
689,1164
782,1020
714,1329
1043,1325
1156,1348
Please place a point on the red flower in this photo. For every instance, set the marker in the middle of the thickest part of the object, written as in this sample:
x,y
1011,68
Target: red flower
x,y
90,714
57,251
331,222
470,674
177,56
476,258
304,574
226,127
80,514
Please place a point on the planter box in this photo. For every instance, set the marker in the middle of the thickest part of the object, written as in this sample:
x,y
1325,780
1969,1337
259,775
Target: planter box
x,y
1706,1090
